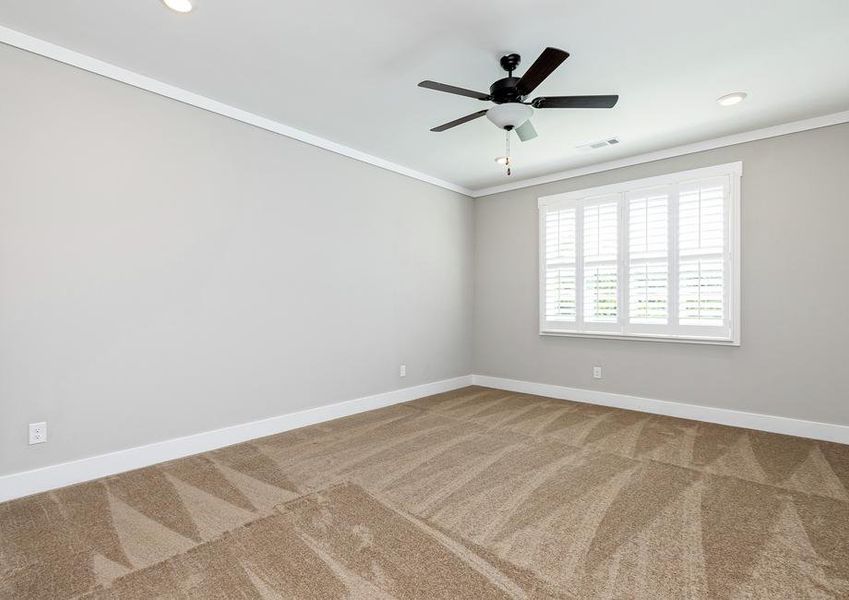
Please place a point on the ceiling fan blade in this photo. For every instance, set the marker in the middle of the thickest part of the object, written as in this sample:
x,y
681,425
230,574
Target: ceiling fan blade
x,y
575,101
451,89
543,66
526,131
459,121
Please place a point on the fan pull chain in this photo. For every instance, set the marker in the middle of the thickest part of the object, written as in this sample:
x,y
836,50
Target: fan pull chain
x,y
507,162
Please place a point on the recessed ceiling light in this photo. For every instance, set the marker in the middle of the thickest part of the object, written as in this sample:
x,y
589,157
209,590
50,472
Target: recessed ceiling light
x,y
732,99
180,6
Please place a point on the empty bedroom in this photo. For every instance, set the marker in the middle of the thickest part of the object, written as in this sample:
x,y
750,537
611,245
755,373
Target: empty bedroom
x,y
424,300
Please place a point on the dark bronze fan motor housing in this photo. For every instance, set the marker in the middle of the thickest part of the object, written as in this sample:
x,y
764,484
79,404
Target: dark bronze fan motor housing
x,y
506,90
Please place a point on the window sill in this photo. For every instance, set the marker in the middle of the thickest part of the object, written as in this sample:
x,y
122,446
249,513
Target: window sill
x,y
644,338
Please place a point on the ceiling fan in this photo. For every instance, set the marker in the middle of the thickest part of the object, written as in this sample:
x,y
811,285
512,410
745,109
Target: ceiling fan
x,y
511,111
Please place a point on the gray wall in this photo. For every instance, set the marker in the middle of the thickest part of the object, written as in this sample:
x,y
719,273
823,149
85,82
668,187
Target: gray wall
x,y
793,360
166,271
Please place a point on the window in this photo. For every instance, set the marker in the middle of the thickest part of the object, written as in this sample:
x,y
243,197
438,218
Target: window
x,y
655,258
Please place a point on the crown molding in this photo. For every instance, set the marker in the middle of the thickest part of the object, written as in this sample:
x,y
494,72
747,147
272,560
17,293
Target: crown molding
x,y
93,65
114,72
720,142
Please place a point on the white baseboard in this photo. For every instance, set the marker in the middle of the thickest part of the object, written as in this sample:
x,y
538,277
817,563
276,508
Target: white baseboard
x,y
724,416
26,483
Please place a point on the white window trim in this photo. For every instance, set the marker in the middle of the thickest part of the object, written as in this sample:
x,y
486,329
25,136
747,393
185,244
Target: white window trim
x,y
734,172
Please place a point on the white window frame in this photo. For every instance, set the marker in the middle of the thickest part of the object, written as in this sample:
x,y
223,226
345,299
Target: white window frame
x,y
622,330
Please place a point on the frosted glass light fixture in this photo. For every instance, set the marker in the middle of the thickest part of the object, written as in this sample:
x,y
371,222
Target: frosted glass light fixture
x,y
509,115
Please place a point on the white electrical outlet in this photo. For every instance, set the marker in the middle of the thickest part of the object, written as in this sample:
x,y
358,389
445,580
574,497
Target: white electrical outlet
x,y
37,433
596,372
403,371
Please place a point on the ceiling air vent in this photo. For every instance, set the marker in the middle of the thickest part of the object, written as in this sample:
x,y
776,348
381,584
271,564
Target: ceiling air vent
x,y
599,144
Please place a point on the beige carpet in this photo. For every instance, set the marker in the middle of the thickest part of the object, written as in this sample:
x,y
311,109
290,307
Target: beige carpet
x,y
476,493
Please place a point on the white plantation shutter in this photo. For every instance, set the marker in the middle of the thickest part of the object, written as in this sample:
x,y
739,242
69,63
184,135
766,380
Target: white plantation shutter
x,y
701,243
600,263
648,257
560,265
656,258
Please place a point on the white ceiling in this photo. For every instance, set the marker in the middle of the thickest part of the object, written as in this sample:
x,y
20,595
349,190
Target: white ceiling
x,y
347,71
